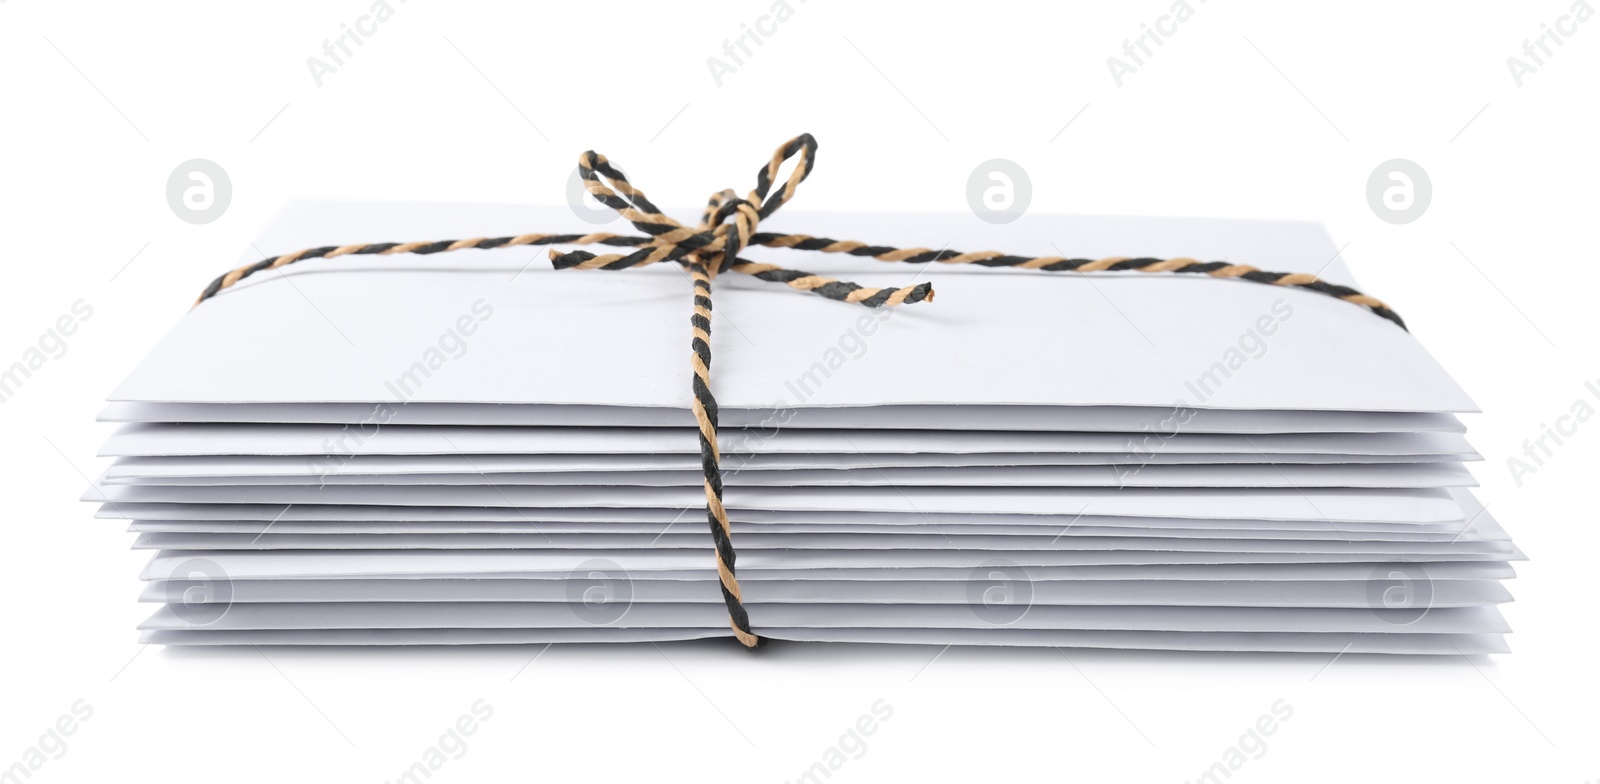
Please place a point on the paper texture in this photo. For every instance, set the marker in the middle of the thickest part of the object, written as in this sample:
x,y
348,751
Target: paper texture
x,y
472,448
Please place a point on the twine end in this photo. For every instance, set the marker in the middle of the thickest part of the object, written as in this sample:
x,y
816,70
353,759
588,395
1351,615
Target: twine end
x,y
569,259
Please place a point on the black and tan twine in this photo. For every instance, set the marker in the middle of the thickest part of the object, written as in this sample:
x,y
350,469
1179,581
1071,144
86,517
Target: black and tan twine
x,y
727,226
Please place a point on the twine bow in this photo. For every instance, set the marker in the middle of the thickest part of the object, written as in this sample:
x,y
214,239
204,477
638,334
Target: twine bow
x,y
728,225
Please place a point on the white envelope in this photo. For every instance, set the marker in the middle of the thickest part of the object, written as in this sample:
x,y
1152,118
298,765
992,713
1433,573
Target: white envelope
x,y
619,338
462,565
1423,644
1120,419
536,615
1193,593
327,528
899,541
128,469
332,444
247,564
1242,476
1334,504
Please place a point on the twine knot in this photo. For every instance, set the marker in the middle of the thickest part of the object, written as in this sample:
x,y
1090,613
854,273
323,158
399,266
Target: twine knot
x,y
727,226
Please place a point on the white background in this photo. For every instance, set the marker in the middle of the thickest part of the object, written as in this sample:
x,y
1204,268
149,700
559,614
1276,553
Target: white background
x,y
1249,110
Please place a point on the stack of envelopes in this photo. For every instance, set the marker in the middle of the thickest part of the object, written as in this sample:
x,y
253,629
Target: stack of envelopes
x,y
474,448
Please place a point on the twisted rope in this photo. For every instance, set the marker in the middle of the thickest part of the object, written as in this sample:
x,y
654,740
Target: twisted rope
x,y
727,226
